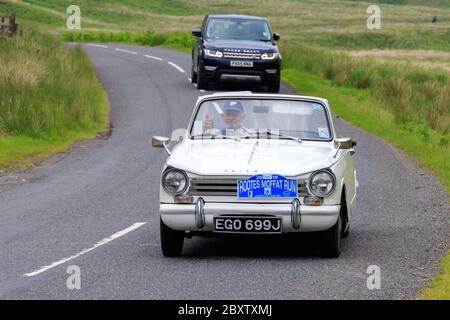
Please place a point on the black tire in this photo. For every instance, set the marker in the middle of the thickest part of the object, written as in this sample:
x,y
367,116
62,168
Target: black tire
x,y
274,86
171,241
331,240
193,75
202,82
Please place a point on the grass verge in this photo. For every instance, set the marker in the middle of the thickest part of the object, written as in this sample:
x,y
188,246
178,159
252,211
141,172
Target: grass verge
x,y
440,287
49,98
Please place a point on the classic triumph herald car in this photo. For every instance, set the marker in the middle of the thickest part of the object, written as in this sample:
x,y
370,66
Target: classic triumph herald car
x,y
257,164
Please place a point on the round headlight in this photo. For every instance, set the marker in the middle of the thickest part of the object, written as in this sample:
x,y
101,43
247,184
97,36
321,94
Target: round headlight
x,y
174,181
322,183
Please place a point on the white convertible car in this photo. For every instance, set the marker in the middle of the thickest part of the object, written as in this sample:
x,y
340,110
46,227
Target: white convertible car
x,y
257,164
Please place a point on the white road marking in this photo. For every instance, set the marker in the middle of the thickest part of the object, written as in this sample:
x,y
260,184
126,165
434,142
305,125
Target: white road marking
x,y
176,66
97,45
127,51
153,57
95,246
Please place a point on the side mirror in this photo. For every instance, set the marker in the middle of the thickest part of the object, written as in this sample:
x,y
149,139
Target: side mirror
x,y
161,142
276,36
197,33
345,143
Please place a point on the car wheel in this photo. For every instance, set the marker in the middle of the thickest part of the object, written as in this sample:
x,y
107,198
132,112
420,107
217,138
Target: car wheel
x,y
193,75
274,86
202,81
171,241
331,240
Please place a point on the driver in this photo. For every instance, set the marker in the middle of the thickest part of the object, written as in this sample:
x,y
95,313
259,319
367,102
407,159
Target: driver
x,y
233,116
218,30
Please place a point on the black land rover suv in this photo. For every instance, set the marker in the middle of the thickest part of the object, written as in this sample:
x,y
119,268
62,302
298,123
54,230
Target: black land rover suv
x,y
236,48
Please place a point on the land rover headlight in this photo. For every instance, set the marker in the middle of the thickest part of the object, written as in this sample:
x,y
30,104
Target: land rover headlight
x,y
214,53
322,183
174,181
269,55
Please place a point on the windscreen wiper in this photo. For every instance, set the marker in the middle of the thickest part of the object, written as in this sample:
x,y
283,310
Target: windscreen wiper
x,y
214,135
281,135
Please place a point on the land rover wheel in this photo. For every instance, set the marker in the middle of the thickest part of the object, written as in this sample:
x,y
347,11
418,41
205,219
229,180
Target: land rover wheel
x,y
202,81
193,75
274,86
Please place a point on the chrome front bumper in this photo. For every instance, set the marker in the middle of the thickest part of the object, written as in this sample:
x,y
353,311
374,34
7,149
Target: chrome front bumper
x,y
294,217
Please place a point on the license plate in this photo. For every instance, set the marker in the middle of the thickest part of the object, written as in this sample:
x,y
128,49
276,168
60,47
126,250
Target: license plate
x,y
267,186
247,64
269,225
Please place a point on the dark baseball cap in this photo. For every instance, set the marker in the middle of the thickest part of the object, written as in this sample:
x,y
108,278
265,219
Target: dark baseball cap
x,y
233,105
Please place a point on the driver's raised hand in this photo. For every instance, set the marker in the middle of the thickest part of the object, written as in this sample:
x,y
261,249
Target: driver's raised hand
x,y
208,123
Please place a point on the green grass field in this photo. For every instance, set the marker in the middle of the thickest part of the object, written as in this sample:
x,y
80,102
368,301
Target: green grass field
x,y
42,110
392,82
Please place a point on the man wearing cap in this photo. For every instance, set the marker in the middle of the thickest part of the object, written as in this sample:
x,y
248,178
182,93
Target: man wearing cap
x,y
233,116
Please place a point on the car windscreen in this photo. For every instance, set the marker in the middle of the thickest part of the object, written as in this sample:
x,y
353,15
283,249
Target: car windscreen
x,y
239,29
256,119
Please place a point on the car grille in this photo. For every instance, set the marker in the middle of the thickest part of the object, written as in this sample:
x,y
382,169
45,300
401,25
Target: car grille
x,y
227,187
241,55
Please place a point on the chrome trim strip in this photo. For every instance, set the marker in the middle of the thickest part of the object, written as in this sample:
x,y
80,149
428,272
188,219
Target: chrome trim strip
x,y
237,55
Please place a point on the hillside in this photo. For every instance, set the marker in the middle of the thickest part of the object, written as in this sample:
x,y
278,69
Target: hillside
x,y
326,23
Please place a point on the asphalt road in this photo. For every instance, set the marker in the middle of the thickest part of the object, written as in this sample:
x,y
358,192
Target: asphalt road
x,y
103,197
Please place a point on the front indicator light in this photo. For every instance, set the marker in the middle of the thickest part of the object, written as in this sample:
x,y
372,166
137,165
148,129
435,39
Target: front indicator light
x,y
183,198
313,201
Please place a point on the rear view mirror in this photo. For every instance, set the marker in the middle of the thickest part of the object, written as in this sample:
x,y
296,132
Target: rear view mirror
x,y
260,109
276,36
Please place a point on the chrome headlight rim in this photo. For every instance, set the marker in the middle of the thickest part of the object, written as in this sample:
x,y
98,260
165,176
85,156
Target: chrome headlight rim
x,y
213,53
164,175
265,56
331,174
